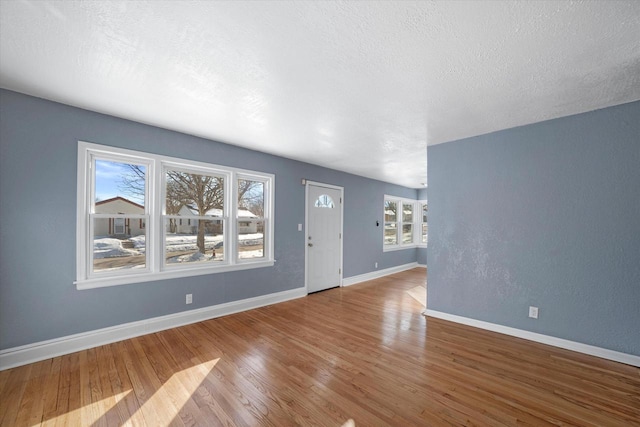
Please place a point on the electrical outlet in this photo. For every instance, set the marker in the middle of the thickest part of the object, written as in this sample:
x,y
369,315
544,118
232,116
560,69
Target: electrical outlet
x,y
189,298
376,265
533,312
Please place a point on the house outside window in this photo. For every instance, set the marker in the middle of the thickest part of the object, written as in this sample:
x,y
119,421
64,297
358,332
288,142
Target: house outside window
x,y
198,195
390,222
403,223
145,217
250,217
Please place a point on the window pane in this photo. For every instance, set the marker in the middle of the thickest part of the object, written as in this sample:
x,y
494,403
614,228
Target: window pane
x,y
119,187
425,231
324,201
424,212
407,212
250,207
250,239
390,234
200,242
390,211
250,199
118,244
190,194
407,233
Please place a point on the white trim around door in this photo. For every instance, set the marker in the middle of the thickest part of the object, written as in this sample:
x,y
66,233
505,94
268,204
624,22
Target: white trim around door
x,y
306,227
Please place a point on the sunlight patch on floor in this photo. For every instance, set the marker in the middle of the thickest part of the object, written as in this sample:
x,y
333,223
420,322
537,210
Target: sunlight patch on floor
x,y
159,409
88,414
174,394
419,293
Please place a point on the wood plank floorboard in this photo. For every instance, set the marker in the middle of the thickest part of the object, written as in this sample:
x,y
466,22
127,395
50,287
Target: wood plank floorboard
x,y
363,353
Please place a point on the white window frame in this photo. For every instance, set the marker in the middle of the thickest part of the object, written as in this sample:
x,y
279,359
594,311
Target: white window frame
x,y
413,242
416,233
267,237
200,169
422,244
155,268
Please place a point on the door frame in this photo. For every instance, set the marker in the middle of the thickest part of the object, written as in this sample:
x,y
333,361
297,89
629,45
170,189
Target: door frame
x,y
306,229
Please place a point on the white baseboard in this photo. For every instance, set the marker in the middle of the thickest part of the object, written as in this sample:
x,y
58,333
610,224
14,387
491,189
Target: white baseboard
x,y
422,265
36,352
348,281
604,353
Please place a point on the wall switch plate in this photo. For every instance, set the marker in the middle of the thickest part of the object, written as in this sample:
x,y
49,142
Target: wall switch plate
x,y
533,312
299,227
189,299
376,265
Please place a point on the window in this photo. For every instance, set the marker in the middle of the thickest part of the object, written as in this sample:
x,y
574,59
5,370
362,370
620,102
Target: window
x,y
324,201
113,244
250,217
424,228
146,217
407,223
390,222
195,198
402,223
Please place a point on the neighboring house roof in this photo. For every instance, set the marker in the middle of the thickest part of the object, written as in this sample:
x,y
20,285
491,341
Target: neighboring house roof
x,y
113,199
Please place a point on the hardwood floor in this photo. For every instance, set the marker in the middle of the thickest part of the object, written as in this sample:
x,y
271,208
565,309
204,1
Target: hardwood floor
x,y
363,353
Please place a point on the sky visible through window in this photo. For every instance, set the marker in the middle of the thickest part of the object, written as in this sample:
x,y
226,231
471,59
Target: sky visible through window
x,y
109,181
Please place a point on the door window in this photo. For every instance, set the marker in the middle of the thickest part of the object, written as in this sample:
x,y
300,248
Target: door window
x,y
324,201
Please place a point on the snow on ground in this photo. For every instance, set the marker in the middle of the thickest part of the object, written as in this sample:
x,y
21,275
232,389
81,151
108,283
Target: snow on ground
x,y
106,247
188,242
250,239
139,242
258,253
194,257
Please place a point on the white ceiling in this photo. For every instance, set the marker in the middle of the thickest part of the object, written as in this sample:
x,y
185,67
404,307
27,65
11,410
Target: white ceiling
x,y
356,86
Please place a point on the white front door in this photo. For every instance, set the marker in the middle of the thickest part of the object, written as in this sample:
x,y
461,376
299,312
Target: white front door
x,y
324,237
118,226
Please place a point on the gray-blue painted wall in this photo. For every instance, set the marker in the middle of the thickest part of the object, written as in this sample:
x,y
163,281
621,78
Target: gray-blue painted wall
x,y
422,194
38,156
545,215
422,256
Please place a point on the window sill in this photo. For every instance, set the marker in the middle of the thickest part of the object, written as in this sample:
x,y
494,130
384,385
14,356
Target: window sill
x,y
102,282
398,248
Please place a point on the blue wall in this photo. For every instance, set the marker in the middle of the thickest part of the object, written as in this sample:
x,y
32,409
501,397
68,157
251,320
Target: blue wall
x,y
545,215
38,156
422,256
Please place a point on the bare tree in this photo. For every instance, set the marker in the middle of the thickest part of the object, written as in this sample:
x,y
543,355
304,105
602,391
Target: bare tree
x,y
174,201
200,193
133,182
251,196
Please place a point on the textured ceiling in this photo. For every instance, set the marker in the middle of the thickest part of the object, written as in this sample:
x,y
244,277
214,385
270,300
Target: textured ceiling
x,y
356,86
